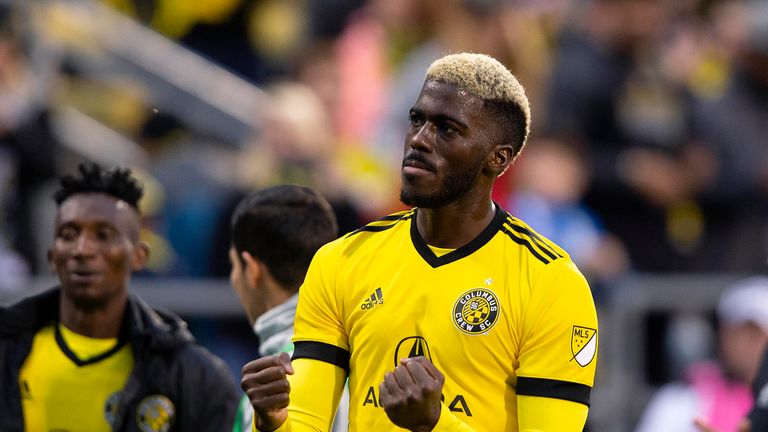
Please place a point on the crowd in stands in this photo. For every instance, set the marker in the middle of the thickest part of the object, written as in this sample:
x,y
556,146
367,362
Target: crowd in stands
x,y
647,151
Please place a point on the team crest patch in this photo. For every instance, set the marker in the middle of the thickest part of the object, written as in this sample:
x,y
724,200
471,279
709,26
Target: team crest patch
x,y
583,344
155,414
476,311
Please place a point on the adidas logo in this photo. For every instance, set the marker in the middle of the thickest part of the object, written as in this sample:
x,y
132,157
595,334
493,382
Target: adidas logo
x,y
376,298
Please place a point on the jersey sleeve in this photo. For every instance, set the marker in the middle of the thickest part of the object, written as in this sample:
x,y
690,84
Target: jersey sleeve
x,y
537,414
559,336
316,388
318,328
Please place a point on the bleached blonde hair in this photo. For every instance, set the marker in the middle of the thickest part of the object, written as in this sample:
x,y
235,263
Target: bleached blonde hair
x,y
487,78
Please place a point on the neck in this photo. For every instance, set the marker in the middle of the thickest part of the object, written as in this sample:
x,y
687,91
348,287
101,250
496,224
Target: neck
x,y
272,295
454,225
102,322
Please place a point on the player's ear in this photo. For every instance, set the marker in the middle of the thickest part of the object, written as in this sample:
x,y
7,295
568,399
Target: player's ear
x,y
501,159
140,255
253,268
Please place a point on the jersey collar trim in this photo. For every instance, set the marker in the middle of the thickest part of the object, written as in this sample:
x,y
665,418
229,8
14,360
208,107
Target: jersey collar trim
x,y
484,237
121,341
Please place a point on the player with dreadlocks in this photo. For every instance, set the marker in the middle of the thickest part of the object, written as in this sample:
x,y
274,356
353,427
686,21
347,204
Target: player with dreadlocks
x,y
87,355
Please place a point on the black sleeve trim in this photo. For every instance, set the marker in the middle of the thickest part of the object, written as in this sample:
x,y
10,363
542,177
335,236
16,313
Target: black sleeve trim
x,y
323,352
555,389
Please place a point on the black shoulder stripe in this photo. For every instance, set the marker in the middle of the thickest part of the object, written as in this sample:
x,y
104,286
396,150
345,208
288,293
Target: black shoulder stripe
x,y
396,216
378,228
555,389
519,226
323,352
525,243
552,253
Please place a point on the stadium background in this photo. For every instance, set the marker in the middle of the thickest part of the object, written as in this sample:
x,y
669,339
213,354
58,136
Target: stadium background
x,y
647,160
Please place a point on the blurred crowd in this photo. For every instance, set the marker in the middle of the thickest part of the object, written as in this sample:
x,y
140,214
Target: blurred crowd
x,y
648,150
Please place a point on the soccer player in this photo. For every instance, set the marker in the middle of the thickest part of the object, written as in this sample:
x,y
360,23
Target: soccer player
x,y
89,356
453,315
274,233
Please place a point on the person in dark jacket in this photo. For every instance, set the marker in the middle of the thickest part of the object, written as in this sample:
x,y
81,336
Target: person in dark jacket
x,y
87,355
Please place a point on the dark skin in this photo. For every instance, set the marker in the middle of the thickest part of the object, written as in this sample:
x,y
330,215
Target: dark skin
x,y
96,248
411,394
452,132
453,153
265,381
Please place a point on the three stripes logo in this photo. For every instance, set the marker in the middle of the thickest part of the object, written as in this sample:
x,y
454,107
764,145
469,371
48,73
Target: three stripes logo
x,y
376,298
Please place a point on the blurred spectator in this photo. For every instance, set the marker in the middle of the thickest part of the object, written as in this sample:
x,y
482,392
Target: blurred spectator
x,y
718,392
375,40
260,40
190,174
733,126
27,150
14,271
295,146
758,416
508,31
173,18
206,27
611,89
364,175
549,180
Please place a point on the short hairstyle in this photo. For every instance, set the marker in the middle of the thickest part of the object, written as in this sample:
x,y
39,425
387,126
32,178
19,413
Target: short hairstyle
x,y
118,182
488,79
283,226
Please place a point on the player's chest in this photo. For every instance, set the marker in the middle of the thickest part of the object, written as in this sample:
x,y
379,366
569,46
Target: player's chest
x,y
409,308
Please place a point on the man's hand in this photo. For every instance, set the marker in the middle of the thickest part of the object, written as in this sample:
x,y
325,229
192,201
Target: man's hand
x,y
266,384
703,426
411,394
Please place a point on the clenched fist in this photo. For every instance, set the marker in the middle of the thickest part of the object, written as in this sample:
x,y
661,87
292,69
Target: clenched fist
x,y
411,394
265,381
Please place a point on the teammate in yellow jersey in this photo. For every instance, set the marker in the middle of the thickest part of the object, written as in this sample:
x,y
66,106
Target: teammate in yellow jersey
x,y
89,356
451,316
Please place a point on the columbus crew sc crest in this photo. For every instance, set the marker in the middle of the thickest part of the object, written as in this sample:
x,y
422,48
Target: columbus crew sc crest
x,y
155,414
476,311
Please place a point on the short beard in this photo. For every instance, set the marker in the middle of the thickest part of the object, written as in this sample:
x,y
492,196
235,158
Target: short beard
x,y
454,187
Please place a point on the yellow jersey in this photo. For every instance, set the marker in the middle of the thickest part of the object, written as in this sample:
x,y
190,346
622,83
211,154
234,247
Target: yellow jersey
x,y
506,315
70,382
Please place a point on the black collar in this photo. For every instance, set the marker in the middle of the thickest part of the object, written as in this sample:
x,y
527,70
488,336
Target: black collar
x,y
121,341
484,237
